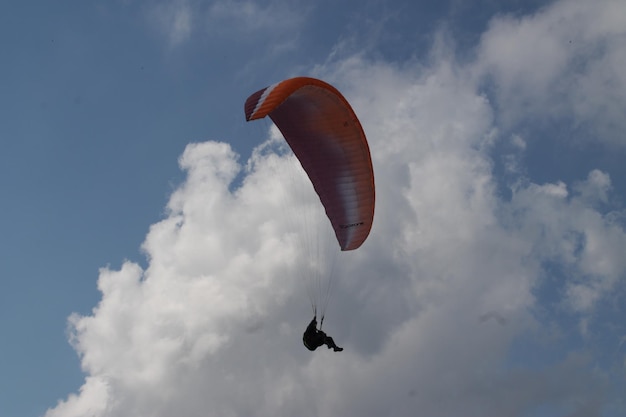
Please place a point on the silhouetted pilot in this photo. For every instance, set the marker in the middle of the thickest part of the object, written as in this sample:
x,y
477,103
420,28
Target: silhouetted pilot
x,y
313,338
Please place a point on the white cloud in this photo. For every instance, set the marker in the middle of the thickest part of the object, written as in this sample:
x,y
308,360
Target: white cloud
x,y
563,62
213,325
596,188
566,228
248,16
174,20
179,20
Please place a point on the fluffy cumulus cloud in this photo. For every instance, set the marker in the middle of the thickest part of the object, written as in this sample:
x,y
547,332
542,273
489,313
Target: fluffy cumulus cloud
x,y
561,63
434,309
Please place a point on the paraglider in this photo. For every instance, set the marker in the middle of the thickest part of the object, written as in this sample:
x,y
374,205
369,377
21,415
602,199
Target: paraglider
x,y
326,136
314,338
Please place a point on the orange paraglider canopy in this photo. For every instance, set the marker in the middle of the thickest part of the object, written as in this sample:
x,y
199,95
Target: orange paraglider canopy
x,y
321,128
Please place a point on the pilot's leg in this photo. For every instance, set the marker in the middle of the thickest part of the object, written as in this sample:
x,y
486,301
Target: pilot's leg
x,y
331,344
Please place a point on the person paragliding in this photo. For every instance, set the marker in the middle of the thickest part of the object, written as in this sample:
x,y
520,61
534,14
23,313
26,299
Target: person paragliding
x,y
314,338
326,136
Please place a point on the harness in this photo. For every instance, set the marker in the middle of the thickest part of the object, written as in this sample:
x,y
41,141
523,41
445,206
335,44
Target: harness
x,y
307,345
314,340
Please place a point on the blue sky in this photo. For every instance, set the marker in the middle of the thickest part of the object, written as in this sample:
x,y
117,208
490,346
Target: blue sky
x,y
145,270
